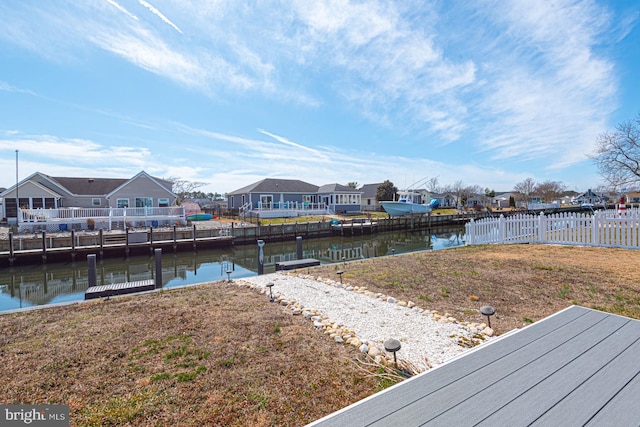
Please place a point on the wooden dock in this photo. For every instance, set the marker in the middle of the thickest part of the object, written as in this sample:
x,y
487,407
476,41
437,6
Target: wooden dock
x,y
105,291
297,263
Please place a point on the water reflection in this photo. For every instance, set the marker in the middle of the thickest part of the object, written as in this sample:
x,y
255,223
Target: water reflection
x,y
27,286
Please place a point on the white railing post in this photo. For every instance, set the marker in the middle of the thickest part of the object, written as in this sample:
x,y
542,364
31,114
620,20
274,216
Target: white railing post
x,y
502,228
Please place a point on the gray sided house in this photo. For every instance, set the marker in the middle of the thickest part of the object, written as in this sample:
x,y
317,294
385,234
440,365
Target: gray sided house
x,y
273,197
340,198
41,191
592,197
446,200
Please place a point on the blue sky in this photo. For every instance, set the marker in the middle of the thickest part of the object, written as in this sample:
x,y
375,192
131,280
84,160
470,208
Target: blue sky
x,y
230,92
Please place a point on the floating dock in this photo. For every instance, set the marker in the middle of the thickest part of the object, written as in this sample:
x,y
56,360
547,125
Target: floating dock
x,y
297,263
106,291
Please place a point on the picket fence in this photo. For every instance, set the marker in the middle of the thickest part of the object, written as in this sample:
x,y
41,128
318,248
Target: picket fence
x,y
606,228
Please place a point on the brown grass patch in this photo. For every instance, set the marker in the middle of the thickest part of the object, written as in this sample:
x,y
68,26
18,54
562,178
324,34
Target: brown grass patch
x,y
218,354
213,354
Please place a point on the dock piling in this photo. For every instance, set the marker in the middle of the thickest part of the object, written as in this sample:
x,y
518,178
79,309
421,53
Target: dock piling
x,y
73,245
11,255
158,277
101,243
93,272
299,247
44,247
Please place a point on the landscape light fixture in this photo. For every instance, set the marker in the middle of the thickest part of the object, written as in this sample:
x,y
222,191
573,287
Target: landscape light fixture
x,y
228,275
393,251
488,311
344,260
392,345
340,273
270,286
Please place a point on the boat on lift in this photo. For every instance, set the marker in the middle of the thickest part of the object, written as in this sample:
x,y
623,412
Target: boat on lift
x,y
409,203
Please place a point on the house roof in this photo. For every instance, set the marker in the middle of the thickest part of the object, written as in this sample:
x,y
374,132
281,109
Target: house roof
x,y
369,191
576,367
167,185
275,185
337,188
89,186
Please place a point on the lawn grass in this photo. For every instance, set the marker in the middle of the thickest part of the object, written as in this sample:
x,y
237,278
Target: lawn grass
x,y
220,354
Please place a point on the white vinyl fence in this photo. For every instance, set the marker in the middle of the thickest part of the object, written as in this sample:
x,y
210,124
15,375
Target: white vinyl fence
x,y
606,228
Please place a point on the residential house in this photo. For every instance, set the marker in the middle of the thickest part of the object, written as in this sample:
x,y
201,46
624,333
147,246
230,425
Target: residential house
x,y
591,197
502,200
44,193
340,198
633,198
275,197
369,201
476,201
445,200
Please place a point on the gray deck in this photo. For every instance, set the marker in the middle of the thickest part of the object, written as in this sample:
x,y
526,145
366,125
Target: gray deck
x,y
577,367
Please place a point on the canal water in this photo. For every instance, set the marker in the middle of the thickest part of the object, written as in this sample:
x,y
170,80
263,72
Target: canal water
x,y
43,284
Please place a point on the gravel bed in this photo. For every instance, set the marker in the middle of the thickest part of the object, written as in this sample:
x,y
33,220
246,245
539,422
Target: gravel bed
x,y
425,341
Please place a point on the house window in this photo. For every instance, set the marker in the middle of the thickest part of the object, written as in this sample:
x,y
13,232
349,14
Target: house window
x,y
96,201
163,203
142,202
122,203
306,198
266,201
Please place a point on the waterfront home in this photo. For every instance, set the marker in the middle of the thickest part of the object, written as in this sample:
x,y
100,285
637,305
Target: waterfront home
x,y
276,197
445,200
592,198
369,201
340,198
44,199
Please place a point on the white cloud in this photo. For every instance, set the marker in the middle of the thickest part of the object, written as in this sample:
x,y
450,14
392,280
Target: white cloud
x,y
508,81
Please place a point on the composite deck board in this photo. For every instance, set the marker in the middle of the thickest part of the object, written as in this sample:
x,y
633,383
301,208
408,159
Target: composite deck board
x,y
410,391
476,395
594,394
517,379
623,407
536,400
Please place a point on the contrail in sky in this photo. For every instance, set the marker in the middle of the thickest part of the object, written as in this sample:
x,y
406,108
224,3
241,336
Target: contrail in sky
x,y
159,14
122,9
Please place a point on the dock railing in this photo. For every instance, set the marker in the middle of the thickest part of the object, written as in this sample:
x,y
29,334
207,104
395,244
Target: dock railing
x,y
606,228
63,219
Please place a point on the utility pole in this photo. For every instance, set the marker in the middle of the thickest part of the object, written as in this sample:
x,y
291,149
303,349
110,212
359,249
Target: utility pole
x,y
17,195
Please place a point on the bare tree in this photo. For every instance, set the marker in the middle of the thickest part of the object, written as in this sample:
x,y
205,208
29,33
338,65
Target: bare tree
x,y
432,185
617,154
183,188
549,191
525,190
457,189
